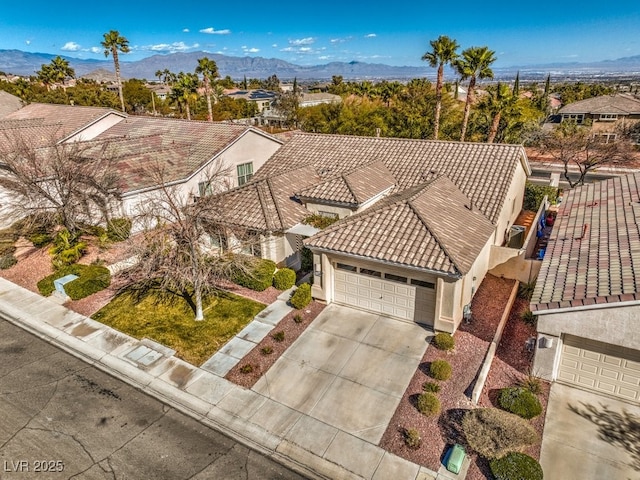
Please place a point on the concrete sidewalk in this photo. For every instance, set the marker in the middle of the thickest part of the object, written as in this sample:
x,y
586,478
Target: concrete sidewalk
x,y
247,416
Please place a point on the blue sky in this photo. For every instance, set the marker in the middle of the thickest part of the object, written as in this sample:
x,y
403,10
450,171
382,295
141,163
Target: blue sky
x,y
309,33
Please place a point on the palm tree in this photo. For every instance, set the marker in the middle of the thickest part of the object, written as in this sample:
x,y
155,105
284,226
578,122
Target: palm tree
x,y
443,53
184,89
474,63
209,71
113,43
45,75
61,70
498,101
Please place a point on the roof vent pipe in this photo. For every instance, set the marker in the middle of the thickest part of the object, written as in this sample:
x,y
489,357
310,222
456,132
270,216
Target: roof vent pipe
x,y
378,132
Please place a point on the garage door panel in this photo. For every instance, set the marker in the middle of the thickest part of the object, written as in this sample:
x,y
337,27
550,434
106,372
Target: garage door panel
x,y
601,367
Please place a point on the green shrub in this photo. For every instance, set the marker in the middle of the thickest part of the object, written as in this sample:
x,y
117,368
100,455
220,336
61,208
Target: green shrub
x,y
428,404
412,438
525,290
533,195
444,341
302,296
248,368
284,279
91,279
516,466
306,260
7,248
440,370
531,383
319,221
493,433
266,350
298,318
67,249
7,261
432,387
39,240
259,278
520,401
118,229
528,317
278,336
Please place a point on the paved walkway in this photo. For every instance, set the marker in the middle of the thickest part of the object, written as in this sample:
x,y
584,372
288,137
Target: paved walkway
x,y
267,425
589,436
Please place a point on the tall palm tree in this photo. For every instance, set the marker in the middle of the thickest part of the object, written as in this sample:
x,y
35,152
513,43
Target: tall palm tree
x,y
61,70
473,64
498,102
46,76
209,71
184,89
443,52
114,43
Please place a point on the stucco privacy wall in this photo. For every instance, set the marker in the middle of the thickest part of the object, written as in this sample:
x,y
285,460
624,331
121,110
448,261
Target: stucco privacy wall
x,y
610,324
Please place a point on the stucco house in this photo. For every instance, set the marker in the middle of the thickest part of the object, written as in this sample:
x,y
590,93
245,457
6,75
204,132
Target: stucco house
x,y
587,296
608,115
416,222
184,150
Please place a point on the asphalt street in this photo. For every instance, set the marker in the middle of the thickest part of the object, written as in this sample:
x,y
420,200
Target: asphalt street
x,y
61,418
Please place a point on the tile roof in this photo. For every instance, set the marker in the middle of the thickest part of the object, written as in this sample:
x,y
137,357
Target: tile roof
x,y
267,204
620,103
69,118
8,103
593,255
180,147
432,226
352,188
483,172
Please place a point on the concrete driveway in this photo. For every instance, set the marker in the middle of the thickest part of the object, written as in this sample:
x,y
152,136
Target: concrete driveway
x,y
588,436
349,369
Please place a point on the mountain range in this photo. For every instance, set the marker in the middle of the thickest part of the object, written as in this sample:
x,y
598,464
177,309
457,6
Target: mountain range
x,y
18,62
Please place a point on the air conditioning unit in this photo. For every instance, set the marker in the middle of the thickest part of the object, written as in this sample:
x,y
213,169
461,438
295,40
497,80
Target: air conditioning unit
x,y
516,236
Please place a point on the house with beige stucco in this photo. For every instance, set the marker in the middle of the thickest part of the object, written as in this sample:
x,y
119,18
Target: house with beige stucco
x,y
587,295
416,220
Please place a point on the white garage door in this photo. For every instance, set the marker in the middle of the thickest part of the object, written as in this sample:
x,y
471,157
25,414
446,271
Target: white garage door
x,y
601,367
383,296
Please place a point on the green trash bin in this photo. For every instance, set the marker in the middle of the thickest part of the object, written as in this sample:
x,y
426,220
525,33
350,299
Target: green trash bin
x,y
455,458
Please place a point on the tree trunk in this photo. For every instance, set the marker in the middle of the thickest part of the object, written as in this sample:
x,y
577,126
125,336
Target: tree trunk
x,y
467,108
436,120
116,63
199,310
493,131
207,90
186,103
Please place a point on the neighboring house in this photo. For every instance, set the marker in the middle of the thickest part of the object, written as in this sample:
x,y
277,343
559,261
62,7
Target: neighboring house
x,y
609,115
417,219
65,123
262,98
8,103
587,296
183,150
311,99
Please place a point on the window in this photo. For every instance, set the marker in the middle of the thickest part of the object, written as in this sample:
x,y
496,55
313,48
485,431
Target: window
x,y
422,283
344,266
395,278
576,117
608,117
204,189
245,172
371,273
605,137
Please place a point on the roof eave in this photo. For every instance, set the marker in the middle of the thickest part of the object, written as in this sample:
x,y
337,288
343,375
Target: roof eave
x,y
580,308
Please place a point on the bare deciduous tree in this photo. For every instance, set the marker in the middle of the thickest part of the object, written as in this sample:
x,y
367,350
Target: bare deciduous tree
x,y
174,254
75,183
580,151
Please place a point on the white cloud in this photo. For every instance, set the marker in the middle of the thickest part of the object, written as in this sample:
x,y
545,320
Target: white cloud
x,y
275,45
213,31
370,35
340,40
302,41
70,47
96,50
28,42
185,30
167,47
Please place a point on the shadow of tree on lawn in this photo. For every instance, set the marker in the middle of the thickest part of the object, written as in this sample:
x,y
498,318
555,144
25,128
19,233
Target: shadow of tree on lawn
x,y
617,428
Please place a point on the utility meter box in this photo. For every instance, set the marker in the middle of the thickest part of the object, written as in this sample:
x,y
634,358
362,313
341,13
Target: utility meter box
x,y
455,458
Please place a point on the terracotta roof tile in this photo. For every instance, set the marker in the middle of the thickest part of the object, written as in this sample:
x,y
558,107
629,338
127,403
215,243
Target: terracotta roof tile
x,y
620,104
593,254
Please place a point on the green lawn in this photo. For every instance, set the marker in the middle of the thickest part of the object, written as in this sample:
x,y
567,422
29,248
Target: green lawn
x,y
173,324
